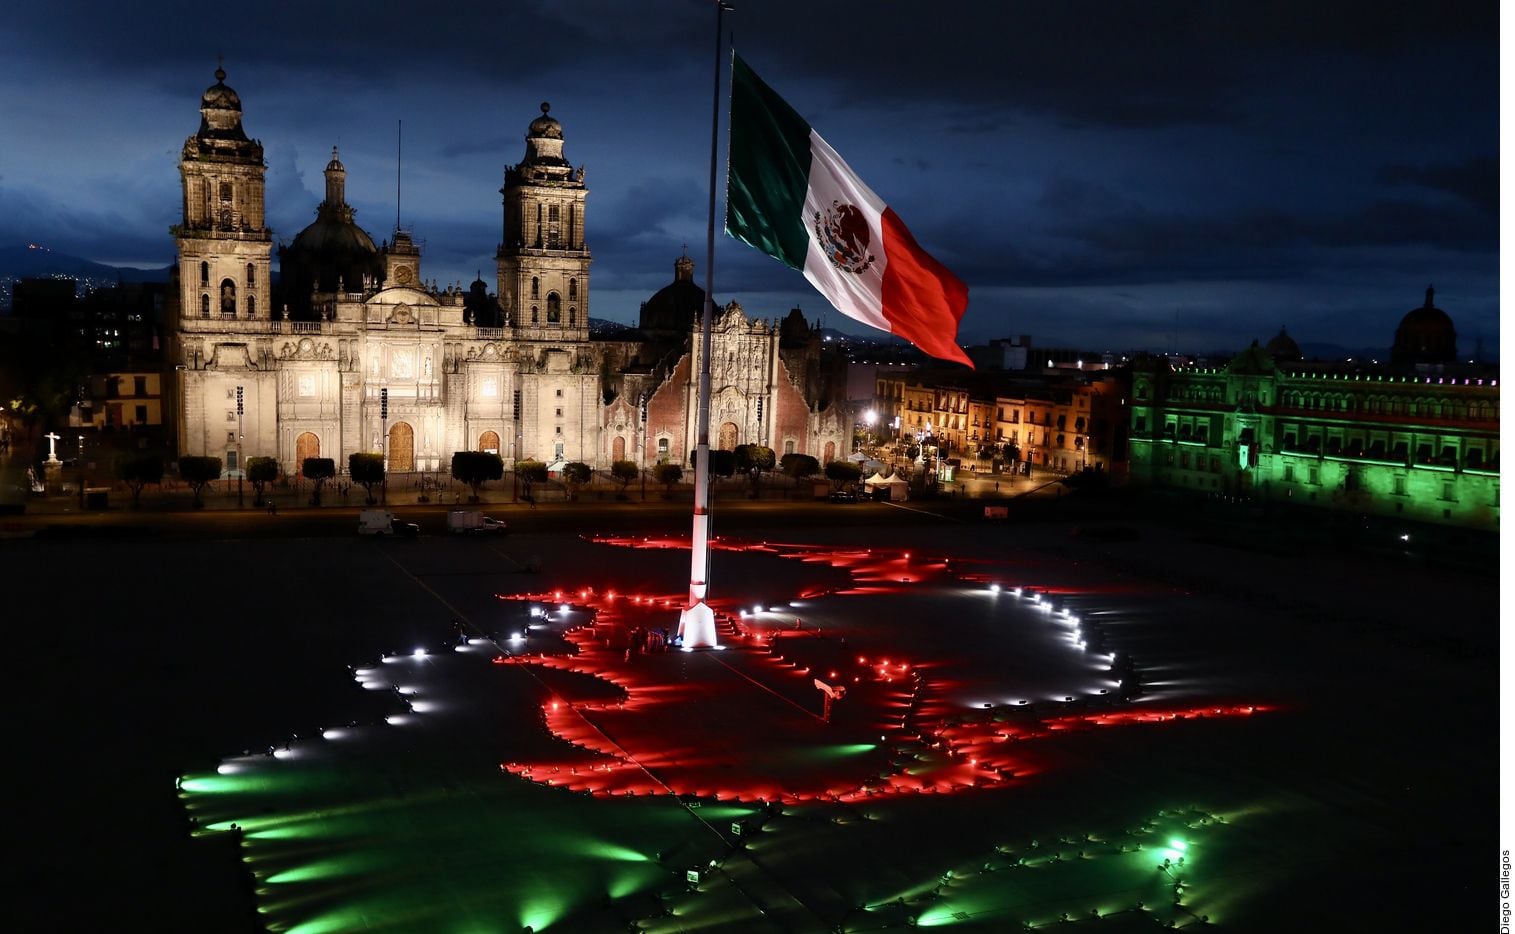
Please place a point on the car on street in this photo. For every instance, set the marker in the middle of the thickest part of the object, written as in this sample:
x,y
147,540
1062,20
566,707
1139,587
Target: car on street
x,y
844,496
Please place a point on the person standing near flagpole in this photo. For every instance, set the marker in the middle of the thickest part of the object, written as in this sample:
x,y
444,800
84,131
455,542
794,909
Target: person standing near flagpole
x,y
791,196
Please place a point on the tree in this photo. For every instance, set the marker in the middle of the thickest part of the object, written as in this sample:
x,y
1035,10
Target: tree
x,y
623,472
367,468
529,472
799,466
317,470
576,474
722,463
753,459
841,473
261,471
197,472
477,468
137,470
668,475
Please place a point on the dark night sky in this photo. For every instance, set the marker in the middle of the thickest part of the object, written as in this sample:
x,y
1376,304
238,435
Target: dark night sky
x,y
1103,175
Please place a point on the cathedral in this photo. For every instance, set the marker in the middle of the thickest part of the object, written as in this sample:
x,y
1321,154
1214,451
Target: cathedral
x,y
354,350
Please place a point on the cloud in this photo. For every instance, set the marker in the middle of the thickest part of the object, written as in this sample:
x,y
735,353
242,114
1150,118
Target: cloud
x,y
1475,180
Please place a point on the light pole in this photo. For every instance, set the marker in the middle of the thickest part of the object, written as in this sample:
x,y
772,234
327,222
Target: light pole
x,y
240,470
81,471
384,444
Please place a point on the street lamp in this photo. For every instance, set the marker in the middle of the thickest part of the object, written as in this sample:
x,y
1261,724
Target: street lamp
x,y
240,471
81,471
384,444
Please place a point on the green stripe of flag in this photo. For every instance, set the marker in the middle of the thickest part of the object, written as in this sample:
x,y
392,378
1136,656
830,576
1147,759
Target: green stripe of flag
x,y
769,169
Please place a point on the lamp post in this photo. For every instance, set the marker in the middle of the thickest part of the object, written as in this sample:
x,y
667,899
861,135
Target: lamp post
x,y
81,471
240,470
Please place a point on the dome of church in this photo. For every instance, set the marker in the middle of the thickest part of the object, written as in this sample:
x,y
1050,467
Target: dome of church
x,y
221,119
332,235
219,96
677,305
331,254
1283,348
545,127
1425,335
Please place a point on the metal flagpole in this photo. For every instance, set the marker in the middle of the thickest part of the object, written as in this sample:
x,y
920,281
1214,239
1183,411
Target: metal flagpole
x,y
697,621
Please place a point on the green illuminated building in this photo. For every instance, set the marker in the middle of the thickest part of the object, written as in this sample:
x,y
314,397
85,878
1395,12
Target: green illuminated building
x,y
1417,437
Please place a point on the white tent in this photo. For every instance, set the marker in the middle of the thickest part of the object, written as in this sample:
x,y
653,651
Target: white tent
x,y
899,490
857,457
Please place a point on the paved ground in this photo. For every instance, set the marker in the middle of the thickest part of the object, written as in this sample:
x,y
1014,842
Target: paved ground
x,y
143,652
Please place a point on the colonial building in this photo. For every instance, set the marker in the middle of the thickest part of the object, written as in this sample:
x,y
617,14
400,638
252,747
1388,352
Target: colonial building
x,y
357,352
1417,438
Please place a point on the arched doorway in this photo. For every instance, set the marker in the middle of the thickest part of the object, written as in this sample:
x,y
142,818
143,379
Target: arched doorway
x,y
727,440
306,446
618,449
402,448
830,453
490,442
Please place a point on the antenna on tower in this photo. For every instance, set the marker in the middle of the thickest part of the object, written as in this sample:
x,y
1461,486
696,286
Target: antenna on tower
x,y
399,136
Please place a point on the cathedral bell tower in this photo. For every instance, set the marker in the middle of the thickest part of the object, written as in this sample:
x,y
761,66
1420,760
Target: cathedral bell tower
x,y
224,243
543,262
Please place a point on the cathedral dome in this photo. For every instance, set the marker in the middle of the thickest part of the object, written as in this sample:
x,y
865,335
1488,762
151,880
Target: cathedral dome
x,y
330,255
1283,348
219,95
221,115
545,127
333,236
1425,335
678,305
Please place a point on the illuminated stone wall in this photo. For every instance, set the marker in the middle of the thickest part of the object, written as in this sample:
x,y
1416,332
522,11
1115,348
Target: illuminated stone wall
x,y
1418,444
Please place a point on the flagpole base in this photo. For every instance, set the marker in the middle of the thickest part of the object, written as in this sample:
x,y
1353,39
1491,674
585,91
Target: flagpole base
x,y
697,627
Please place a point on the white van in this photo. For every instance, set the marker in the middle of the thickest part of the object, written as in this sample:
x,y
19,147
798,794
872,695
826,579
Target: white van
x,y
471,520
383,522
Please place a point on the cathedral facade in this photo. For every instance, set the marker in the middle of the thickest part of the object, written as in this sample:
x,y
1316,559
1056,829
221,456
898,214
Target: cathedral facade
x,y
355,351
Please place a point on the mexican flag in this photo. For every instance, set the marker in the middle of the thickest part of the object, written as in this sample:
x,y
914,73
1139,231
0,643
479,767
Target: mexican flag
x,y
790,195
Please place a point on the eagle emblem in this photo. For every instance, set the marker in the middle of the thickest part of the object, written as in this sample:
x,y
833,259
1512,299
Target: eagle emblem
x,y
843,234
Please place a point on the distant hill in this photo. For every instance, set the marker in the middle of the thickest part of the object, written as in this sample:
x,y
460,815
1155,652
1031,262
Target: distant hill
x,y
30,261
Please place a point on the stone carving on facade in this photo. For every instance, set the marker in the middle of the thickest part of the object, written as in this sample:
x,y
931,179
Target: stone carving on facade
x,y
306,349
401,315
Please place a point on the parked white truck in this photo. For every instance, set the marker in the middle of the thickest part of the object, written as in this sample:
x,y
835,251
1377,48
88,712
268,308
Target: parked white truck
x,y
471,520
383,522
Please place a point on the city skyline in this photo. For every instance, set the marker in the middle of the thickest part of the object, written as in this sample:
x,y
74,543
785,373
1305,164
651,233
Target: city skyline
x,y
1229,172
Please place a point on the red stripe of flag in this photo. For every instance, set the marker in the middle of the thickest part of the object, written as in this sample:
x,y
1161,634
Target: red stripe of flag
x,y
923,300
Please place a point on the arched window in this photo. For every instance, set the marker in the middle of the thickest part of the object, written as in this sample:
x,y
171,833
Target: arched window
x,y
205,273
554,311
228,297
252,307
205,305
573,317
533,314
536,287
226,191
251,272
573,290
